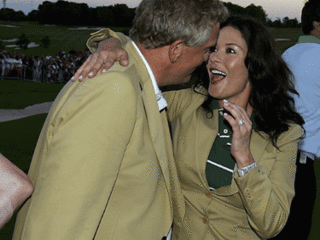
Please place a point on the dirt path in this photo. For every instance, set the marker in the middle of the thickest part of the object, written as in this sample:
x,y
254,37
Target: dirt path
x,y
13,114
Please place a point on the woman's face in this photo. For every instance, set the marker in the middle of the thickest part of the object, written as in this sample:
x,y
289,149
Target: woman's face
x,y
226,66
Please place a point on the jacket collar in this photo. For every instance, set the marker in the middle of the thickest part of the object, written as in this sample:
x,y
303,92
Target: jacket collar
x,y
308,39
162,103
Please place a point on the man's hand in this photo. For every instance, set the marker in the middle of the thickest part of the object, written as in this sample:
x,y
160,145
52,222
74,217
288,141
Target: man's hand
x,y
107,53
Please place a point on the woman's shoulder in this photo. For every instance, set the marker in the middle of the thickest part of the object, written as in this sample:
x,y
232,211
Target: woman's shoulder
x,y
186,94
183,100
294,133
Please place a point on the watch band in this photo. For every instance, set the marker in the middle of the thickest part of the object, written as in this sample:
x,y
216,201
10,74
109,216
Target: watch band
x,y
243,171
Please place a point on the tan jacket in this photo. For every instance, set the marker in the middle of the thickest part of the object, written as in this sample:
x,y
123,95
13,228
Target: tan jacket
x,y
101,164
254,206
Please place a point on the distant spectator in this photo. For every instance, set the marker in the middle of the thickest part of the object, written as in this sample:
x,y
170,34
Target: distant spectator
x,y
59,68
303,60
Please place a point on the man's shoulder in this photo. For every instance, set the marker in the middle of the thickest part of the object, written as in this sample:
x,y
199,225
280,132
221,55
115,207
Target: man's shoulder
x,y
302,48
302,53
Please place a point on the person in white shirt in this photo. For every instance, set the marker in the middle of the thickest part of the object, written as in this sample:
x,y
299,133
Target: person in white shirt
x,y
304,61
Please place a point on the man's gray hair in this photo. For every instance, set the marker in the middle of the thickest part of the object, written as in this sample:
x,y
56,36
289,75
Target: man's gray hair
x,y
159,23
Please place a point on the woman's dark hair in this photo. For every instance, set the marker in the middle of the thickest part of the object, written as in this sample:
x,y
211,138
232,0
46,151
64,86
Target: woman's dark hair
x,y
310,13
270,78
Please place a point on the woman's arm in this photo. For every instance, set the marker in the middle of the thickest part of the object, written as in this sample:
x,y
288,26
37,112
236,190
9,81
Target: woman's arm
x,y
267,190
15,188
266,187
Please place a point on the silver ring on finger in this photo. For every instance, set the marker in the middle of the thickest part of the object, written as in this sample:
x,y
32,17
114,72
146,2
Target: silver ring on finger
x,y
241,122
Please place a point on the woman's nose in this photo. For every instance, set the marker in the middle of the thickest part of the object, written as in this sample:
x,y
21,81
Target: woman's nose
x,y
214,57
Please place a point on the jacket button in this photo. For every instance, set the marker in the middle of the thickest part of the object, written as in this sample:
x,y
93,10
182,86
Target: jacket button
x,y
208,195
205,220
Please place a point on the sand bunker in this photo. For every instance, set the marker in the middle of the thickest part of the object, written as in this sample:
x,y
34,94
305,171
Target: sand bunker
x,y
9,40
30,45
13,114
8,25
283,39
85,28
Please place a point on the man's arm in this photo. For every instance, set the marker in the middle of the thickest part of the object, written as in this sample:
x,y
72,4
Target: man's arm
x,y
86,144
15,188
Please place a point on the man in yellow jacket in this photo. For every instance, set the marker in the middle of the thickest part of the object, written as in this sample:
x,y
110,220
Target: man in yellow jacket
x,y
103,165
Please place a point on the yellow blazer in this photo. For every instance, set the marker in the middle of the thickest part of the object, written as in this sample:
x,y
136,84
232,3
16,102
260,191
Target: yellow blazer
x,y
103,166
254,206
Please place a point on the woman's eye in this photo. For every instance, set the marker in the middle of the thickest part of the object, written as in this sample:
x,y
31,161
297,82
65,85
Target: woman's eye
x,y
213,49
230,50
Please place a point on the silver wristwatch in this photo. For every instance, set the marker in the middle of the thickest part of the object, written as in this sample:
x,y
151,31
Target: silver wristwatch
x,y
243,171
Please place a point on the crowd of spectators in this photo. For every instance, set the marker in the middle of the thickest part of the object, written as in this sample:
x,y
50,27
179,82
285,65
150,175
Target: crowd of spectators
x,y
57,69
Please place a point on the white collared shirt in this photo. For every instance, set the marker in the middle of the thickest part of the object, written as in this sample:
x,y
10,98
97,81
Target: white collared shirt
x,y
162,103
304,62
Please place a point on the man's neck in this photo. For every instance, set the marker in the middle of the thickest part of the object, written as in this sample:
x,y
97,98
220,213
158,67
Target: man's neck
x,y
157,60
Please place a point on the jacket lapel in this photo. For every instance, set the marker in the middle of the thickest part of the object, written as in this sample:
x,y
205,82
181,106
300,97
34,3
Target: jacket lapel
x,y
156,126
206,133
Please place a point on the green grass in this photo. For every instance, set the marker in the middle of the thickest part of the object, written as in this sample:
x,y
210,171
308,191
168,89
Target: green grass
x,y
62,39
19,137
17,142
287,33
17,94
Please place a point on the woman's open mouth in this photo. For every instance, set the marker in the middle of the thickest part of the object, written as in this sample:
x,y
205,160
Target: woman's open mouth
x,y
217,76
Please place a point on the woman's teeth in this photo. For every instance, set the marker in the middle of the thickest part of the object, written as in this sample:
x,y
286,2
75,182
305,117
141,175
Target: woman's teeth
x,y
217,76
217,72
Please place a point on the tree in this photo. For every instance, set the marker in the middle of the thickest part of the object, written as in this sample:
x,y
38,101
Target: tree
x,y
45,42
104,16
290,23
277,23
251,11
235,9
7,14
47,13
256,12
123,16
33,15
23,41
20,16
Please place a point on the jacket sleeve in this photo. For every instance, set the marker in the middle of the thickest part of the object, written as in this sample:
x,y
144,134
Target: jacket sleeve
x,y
268,189
86,139
103,34
178,101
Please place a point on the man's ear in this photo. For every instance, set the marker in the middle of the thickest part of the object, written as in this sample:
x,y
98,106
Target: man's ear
x,y
316,25
176,50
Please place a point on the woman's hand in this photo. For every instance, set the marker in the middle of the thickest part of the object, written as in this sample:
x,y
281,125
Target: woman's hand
x,y
108,52
242,127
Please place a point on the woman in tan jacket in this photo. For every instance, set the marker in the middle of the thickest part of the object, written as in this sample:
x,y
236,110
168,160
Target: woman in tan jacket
x,y
235,139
